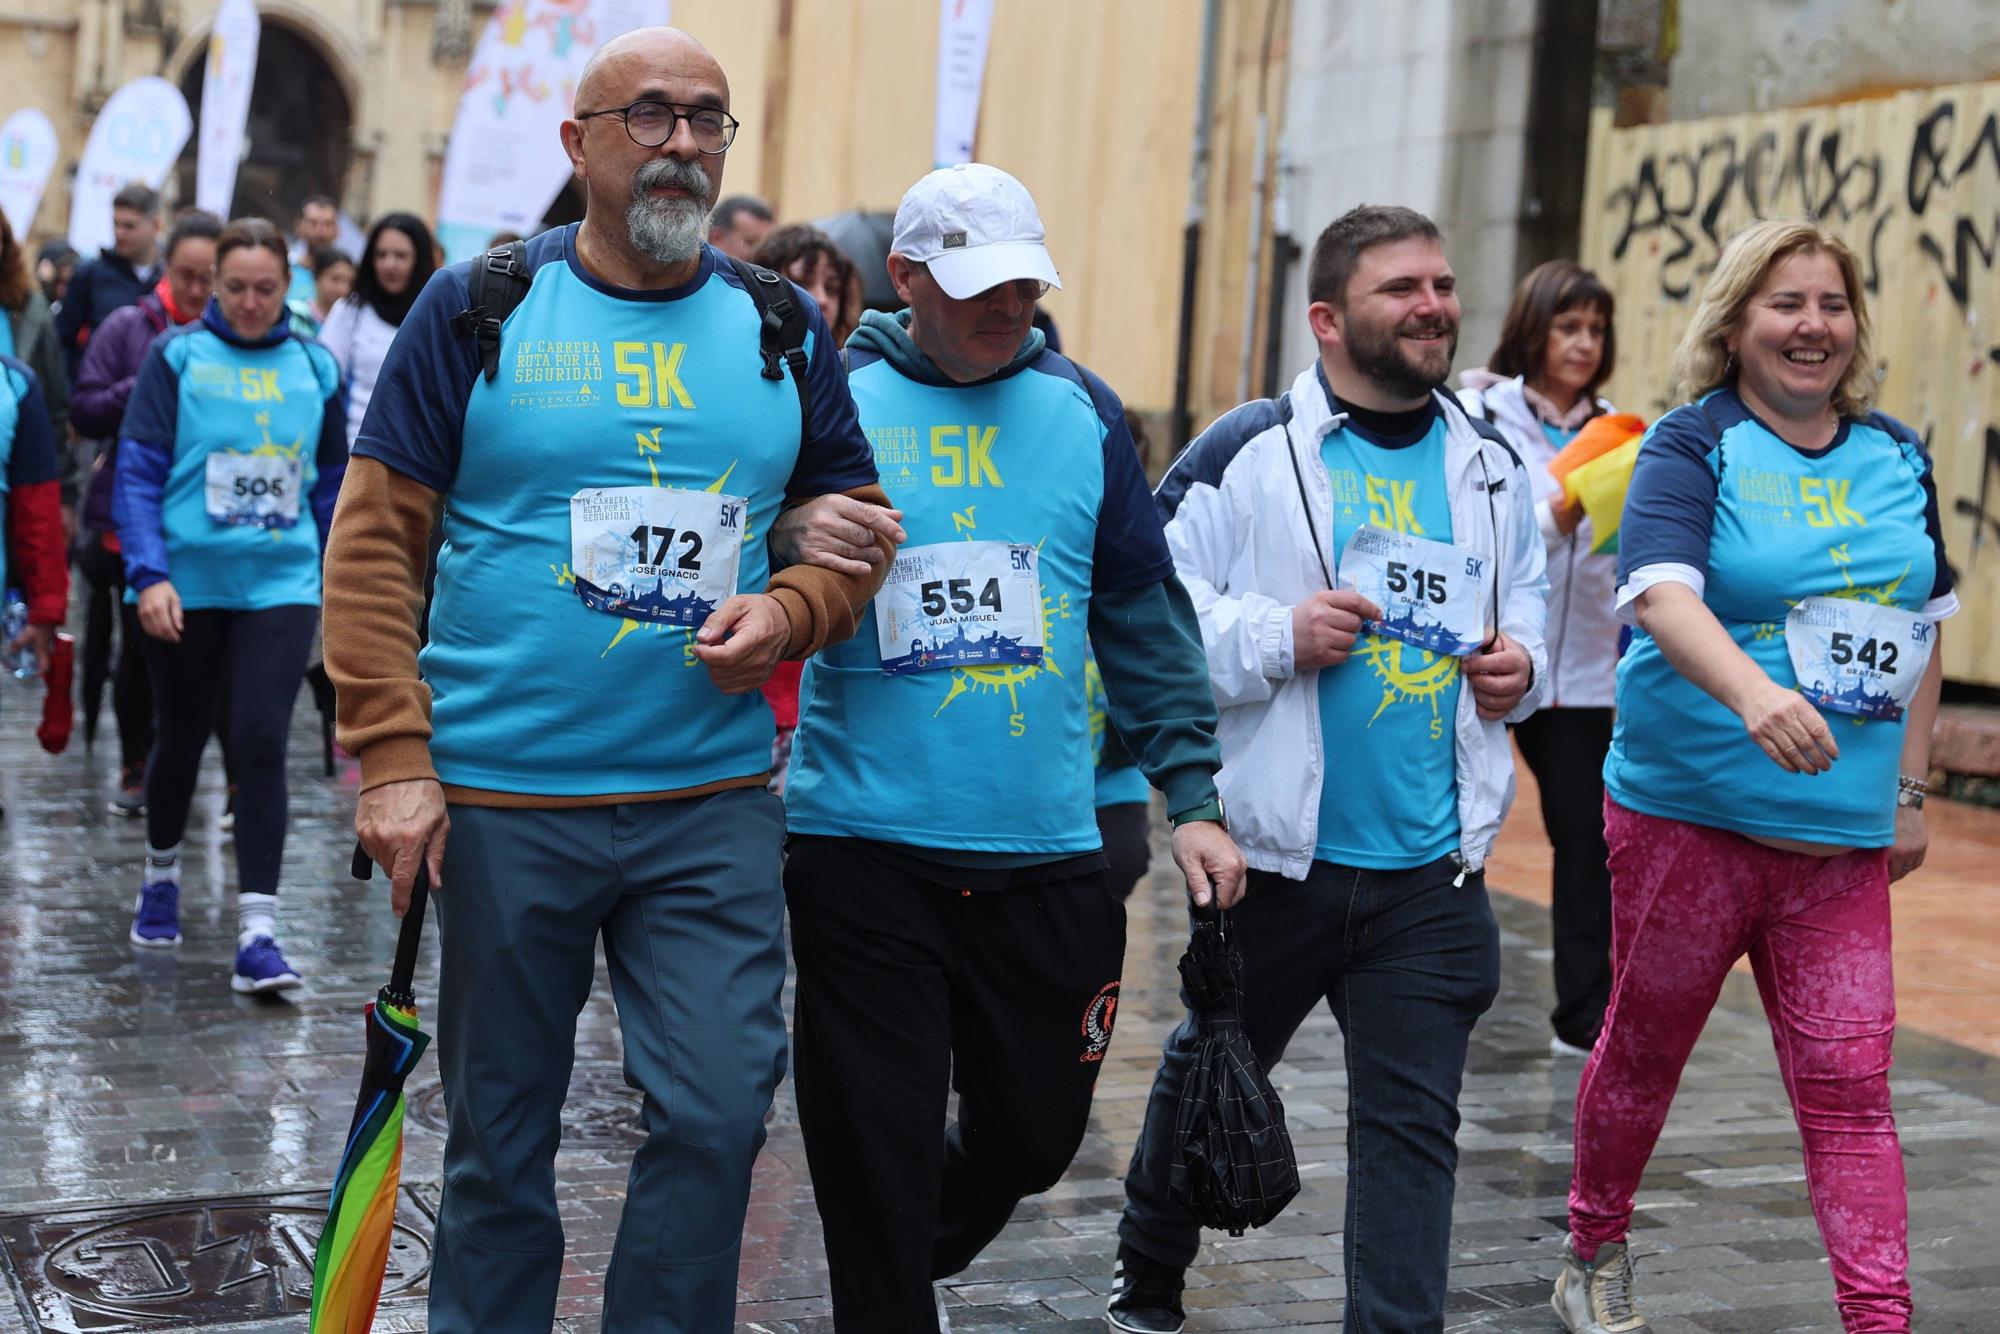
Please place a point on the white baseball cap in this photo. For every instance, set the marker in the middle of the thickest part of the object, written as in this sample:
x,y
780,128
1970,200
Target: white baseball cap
x,y
975,227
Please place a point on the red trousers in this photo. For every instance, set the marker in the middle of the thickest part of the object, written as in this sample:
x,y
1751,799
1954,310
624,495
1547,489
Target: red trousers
x,y
1687,901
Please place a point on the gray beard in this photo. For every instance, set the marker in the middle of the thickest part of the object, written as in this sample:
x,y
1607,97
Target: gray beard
x,y
668,231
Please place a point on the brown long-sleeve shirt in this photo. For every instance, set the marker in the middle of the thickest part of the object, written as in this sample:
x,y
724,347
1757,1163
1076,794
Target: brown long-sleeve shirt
x,y
374,581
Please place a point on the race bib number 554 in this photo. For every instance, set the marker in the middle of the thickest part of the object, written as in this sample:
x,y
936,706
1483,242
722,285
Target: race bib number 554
x,y
960,604
1432,594
655,553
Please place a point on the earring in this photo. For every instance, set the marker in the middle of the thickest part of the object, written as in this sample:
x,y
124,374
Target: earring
x,y
1729,366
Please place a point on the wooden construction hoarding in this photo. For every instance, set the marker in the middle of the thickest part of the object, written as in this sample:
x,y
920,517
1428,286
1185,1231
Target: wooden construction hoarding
x,y
1912,182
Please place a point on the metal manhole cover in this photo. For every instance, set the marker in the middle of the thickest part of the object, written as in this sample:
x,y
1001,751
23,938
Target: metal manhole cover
x,y
602,1111
177,1264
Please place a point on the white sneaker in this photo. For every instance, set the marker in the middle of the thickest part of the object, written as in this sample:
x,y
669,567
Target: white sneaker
x,y
1596,1298
1568,1050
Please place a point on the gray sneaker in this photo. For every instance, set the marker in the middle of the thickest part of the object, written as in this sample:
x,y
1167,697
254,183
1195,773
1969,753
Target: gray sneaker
x,y
1596,1298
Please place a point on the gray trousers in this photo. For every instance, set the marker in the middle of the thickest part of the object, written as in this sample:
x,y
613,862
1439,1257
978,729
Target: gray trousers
x,y
686,897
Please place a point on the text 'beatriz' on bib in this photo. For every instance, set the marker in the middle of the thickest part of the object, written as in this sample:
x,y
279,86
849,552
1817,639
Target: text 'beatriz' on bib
x,y
252,490
1432,594
1858,658
960,604
655,553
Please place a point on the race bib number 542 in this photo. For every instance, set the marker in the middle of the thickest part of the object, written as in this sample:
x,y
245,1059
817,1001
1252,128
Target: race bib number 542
x,y
1432,594
1858,658
655,553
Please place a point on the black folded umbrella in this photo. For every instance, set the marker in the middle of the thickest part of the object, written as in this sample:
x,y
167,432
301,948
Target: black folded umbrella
x,y
1234,1167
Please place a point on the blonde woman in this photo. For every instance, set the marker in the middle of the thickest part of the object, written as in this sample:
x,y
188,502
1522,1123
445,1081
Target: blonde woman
x,y
1781,558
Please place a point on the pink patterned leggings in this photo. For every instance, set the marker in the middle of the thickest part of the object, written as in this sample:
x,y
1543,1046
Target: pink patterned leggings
x,y
1687,902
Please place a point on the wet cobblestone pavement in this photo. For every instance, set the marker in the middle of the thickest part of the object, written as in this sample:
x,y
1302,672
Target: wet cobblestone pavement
x,y
167,1143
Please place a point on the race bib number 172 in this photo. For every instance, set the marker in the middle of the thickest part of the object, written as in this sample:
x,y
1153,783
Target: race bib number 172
x,y
655,553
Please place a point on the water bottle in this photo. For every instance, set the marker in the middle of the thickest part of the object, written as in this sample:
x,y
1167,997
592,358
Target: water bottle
x,y
21,661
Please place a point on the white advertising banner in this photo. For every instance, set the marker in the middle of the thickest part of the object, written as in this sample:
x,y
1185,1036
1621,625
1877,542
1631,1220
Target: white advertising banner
x,y
28,151
963,29
225,105
138,137
505,163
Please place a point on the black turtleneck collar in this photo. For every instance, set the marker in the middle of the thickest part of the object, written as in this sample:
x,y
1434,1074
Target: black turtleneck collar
x,y
1388,430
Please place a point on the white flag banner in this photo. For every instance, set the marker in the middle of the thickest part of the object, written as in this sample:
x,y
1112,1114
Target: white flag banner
x,y
963,29
225,105
138,137
505,163
28,151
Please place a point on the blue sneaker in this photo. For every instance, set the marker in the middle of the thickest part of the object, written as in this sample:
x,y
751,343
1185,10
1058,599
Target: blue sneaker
x,y
156,920
260,967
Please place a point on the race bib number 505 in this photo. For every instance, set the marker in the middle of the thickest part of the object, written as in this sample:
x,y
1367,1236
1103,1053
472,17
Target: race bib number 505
x,y
1432,594
252,490
655,553
960,604
1858,658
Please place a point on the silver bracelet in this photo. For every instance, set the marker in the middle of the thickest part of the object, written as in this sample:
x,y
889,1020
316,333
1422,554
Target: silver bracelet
x,y
1905,783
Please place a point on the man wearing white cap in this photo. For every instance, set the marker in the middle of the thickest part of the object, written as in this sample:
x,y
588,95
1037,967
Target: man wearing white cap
x,y
951,919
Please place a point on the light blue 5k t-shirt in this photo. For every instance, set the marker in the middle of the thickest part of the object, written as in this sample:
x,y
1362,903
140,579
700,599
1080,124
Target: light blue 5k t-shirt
x,y
599,387
1386,714
988,757
1767,525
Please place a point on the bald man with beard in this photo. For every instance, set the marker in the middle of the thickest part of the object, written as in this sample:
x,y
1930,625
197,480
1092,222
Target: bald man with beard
x,y
584,753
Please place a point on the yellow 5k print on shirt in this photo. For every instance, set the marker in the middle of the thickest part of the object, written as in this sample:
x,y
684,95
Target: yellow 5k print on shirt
x,y
609,392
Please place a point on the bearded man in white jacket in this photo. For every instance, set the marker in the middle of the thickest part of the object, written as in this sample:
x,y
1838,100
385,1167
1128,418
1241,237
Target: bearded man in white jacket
x,y
1370,579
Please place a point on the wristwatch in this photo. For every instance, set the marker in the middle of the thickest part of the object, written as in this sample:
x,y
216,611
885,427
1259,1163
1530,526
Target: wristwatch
x,y
1910,792
1209,810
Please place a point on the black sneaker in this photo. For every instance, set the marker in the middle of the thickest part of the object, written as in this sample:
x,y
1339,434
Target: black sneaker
x,y
1145,1295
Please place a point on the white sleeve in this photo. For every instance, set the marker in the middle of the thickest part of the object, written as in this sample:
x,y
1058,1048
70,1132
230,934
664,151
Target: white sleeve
x,y
1643,578
337,334
1248,637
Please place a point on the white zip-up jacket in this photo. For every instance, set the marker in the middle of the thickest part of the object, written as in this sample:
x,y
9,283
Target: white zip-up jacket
x,y
1583,589
1238,531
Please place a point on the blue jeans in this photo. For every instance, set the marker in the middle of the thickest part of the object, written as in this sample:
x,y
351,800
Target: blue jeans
x,y
1408,961
686,897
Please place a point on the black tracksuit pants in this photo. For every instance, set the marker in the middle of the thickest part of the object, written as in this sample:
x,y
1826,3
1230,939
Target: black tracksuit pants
x,y
1565,750
907,989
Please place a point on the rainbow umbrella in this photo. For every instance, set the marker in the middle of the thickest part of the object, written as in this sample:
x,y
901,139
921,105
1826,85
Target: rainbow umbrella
x,y
361,1213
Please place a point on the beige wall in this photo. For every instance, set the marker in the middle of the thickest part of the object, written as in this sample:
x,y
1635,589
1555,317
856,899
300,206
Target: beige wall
x,y
1913,183
1091,104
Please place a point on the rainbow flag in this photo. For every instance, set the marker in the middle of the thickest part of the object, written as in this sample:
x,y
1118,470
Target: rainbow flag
x,y
1595,470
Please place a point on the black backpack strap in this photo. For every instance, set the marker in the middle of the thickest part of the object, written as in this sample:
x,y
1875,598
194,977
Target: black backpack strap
x,y
781,331
498,281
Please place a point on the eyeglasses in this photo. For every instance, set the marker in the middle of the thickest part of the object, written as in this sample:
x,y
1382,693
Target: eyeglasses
x,y
652,123
1024,289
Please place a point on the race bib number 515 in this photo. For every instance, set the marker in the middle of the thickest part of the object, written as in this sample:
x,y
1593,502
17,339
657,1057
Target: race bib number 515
x,y
1858,658
960,604
655,553
1432,594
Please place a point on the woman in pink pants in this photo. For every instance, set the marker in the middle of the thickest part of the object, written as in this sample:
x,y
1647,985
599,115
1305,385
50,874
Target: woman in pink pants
x,y
1780,556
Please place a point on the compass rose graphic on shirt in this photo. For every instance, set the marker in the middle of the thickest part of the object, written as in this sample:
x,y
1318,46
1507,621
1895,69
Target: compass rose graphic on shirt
x,y
1005,678
649,448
